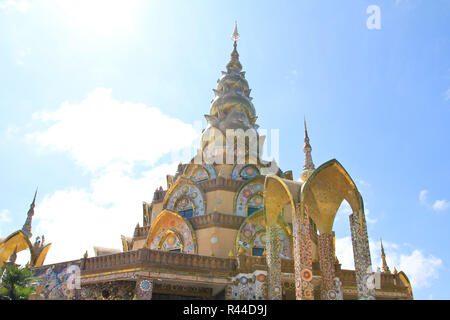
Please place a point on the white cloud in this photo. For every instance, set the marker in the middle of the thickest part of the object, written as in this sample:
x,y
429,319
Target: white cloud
x,y
423,197
101,131
119,143
438,205
420,268
19,5
75,220
441,205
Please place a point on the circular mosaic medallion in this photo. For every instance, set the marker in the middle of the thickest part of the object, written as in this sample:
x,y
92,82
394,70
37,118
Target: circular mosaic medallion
x,y
185,189
243,280
145,285
194,195
261,277
332,295
258,187
307,293
306,275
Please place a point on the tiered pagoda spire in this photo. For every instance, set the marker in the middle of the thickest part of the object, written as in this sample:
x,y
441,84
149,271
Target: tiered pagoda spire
x,y
308,167
232,106
385,267
27,225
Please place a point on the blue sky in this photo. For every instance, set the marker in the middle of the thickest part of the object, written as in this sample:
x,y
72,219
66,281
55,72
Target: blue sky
x,y
97,100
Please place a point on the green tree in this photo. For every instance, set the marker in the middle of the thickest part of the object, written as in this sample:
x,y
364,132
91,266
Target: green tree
x,y
15,282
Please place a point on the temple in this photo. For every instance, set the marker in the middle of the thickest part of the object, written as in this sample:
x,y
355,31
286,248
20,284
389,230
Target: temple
x,y
231,225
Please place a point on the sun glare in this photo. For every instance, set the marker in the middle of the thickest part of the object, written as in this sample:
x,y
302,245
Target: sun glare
x,y
100,16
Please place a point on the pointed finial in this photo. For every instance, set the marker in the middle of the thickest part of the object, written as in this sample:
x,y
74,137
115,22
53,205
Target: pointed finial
x,y
27,225
34,199
383,258
235,36
306,129
308,167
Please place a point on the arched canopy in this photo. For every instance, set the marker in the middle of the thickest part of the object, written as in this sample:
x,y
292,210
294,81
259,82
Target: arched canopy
x,y
324,192
171,231
405,282
279,193
39,261
19,241
16,240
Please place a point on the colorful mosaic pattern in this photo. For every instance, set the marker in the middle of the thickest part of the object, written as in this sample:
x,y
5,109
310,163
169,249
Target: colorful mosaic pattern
x,y
60,285
249,286
274,262
361,253
253,235
173,234
302,255
250,196
191,195
339,289
172,242
144,289
242,172
326,259
204,172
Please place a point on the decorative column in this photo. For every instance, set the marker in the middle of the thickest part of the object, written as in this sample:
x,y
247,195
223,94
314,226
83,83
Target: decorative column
x,y
144,289
302,254
361,253
326,260
273,247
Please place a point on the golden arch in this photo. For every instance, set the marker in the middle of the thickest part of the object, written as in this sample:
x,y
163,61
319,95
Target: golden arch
x,y
279,193
324,192
163,220
19,241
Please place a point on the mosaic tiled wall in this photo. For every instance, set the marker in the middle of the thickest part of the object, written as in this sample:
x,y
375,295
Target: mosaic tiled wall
x,y
253,235
204,172
302,255
192,194
144,289
243,172
250,195
361,253
273,248
249,286
326,260
60,283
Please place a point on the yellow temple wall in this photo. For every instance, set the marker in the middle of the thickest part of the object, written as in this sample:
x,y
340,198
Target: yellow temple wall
x,y
220,201
225,241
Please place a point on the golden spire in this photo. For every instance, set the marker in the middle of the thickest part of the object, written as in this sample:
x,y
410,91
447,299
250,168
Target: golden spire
x,y
27,225
235,36
383,259
308,167
234,65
